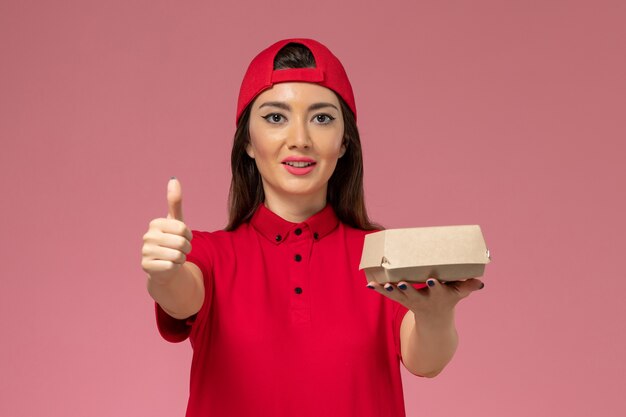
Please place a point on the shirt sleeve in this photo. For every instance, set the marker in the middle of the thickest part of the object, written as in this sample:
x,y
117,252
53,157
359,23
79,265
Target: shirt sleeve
x,y
177,330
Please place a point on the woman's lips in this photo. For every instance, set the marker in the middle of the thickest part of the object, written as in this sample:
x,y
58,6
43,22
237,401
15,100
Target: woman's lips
x,y
299,171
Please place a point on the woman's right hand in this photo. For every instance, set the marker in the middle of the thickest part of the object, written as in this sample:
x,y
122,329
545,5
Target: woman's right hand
x,y
168,240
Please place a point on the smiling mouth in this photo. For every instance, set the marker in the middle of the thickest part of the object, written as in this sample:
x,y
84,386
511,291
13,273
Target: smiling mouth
x,y
298,164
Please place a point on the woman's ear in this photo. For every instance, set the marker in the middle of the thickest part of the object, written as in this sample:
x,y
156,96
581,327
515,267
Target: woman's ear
x,y
343,149
249,150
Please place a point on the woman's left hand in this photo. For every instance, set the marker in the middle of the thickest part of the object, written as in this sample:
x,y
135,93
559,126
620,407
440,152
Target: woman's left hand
x,y
430,300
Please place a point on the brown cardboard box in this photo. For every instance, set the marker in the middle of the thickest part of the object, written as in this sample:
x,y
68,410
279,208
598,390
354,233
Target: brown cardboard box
x,y
447,253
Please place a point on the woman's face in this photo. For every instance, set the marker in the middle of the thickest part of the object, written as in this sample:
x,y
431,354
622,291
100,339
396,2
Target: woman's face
x,y
300,121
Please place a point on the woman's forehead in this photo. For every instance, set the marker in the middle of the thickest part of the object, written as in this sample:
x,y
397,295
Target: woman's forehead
x,y
297,93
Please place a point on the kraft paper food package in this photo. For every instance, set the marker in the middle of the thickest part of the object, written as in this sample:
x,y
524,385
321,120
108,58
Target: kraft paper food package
x,y
447,253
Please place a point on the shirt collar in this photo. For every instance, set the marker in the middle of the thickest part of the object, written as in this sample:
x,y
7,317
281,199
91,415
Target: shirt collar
x,y
278,230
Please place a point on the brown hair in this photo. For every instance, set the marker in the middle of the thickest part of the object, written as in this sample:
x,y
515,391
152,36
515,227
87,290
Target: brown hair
x,y
345,186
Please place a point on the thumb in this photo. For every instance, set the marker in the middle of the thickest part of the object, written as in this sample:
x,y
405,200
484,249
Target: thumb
x,y
174,200
470,285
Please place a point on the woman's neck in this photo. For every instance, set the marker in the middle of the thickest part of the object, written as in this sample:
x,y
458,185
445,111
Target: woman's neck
x,y
295,208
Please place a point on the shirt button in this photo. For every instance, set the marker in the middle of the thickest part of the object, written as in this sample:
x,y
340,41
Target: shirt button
x,y
316,236
298,258
298,290
298,231
278,238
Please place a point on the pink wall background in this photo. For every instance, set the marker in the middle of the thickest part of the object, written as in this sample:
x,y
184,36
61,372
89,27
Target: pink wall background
x,y
507,114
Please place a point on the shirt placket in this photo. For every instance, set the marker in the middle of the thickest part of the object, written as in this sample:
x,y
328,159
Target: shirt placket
x,y
300,253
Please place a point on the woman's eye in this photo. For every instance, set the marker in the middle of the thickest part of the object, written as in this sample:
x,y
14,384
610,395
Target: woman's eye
x,y
273,117
324,118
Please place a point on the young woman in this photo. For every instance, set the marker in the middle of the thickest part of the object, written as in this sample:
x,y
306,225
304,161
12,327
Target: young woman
x,y
275,307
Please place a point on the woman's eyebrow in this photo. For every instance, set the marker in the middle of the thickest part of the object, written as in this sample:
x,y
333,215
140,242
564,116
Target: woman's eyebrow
x,y
286,106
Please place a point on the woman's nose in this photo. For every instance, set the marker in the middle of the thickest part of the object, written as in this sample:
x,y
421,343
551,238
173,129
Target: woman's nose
x,y
298,135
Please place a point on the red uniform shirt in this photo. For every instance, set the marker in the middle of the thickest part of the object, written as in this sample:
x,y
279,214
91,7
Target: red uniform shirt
x,y
288,327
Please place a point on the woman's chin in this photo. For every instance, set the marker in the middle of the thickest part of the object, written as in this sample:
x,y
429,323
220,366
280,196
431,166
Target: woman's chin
x,y
300,191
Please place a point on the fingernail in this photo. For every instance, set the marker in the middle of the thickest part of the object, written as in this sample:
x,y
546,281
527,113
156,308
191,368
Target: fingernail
x,y
172,178
431,283
389,288
482,284
370,286
402,286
